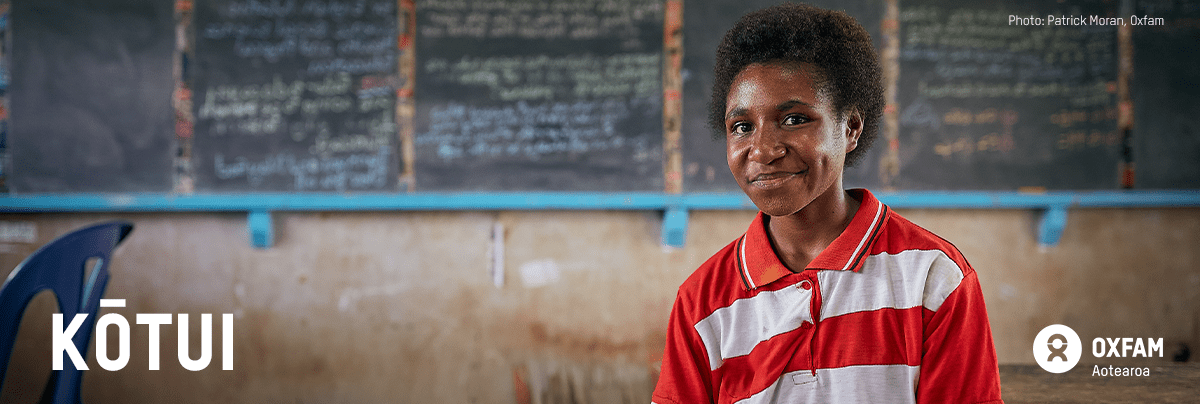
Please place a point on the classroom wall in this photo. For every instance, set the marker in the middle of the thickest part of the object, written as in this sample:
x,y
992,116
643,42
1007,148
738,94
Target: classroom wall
x,y
400,306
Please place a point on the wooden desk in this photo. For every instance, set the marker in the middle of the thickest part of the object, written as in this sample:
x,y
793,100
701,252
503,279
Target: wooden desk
x,y
1166,384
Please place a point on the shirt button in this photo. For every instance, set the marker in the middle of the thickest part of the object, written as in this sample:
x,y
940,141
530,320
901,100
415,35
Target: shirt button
x,y
805,284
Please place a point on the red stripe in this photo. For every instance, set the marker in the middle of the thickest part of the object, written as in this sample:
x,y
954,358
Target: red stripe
x,y
743,376
901,235
879,337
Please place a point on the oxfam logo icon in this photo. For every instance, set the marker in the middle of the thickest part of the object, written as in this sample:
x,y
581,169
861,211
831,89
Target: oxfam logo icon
x,y
1057,348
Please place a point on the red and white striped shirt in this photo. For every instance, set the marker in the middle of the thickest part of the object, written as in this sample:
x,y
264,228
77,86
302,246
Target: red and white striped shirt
x,y
888,313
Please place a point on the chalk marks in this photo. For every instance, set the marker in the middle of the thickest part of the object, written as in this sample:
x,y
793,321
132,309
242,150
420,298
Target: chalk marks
x,y
543,77
527,19
257,9
974,53
988,104
343,43
355,171
296,95
532,131
535,95
1082,95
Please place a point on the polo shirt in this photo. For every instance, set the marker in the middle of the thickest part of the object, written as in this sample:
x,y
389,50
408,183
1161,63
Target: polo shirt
x,y
887,313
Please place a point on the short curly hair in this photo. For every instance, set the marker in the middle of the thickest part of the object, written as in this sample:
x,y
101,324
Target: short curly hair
x,y
836,50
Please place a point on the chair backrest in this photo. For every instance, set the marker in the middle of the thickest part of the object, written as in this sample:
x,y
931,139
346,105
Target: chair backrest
x,y
60,267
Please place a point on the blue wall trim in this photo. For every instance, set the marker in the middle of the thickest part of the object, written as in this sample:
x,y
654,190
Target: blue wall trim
x,y
566,201
675,208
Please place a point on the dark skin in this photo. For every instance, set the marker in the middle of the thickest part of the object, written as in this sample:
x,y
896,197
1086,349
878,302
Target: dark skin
x,y
786,147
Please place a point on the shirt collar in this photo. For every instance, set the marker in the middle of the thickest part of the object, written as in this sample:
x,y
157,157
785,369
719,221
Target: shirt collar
x,y
759,265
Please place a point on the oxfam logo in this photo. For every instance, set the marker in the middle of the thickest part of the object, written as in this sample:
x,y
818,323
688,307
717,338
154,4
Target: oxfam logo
x,y
1057,348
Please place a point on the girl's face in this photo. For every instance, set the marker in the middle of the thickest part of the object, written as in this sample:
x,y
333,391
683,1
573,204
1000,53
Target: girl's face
x,y
785,145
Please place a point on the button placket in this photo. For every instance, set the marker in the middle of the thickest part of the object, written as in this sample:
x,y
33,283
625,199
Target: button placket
x,y
815,310
807,286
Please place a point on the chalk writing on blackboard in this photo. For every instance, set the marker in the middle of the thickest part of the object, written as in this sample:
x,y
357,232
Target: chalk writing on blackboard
x,y
542,77
296,95
353,171
534,95
604,90
975,55
460,131
529,19
999,105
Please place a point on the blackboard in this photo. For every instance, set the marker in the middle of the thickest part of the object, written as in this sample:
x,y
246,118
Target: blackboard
x,y
704,166
537,95
1166,96
91,96
295,96
990,103
525,95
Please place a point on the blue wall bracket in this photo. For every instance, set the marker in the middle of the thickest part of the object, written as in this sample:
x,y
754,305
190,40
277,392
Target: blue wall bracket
x,y
262,229
674,226
1051,225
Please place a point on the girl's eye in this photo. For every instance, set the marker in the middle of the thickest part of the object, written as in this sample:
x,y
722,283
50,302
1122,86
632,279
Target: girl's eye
x,y
793,120
740,128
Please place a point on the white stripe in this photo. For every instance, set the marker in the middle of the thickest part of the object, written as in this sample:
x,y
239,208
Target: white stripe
x,y
851,384
909,279
112,302
874,222
745,268
736,329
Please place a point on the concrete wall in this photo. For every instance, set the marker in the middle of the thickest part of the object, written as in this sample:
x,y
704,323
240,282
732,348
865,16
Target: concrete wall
x,y
401,307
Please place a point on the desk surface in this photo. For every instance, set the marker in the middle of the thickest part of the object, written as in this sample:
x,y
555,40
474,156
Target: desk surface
x,y
1166,384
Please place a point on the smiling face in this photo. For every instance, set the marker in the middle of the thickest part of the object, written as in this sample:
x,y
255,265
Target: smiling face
x,y
785,144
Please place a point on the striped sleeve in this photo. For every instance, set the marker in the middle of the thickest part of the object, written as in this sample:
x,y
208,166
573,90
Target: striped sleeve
x,y
959,361
685,377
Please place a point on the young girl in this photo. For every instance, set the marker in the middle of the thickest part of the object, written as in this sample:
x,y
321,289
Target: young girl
x,y
829,296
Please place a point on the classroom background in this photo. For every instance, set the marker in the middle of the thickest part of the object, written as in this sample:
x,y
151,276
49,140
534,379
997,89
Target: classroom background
x,y
454,201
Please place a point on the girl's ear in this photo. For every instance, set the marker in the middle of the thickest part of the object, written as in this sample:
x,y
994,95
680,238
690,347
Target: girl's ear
x,y
854,128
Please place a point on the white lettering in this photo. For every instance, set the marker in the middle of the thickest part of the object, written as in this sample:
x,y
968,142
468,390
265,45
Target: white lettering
x,y
227,341
205,343
1126,347
1113,344
1119,372
1135,20
153,320
1098,20
122,343
61,342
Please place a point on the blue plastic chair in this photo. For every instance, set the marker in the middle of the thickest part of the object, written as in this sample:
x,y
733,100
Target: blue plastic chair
x,y
60,267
